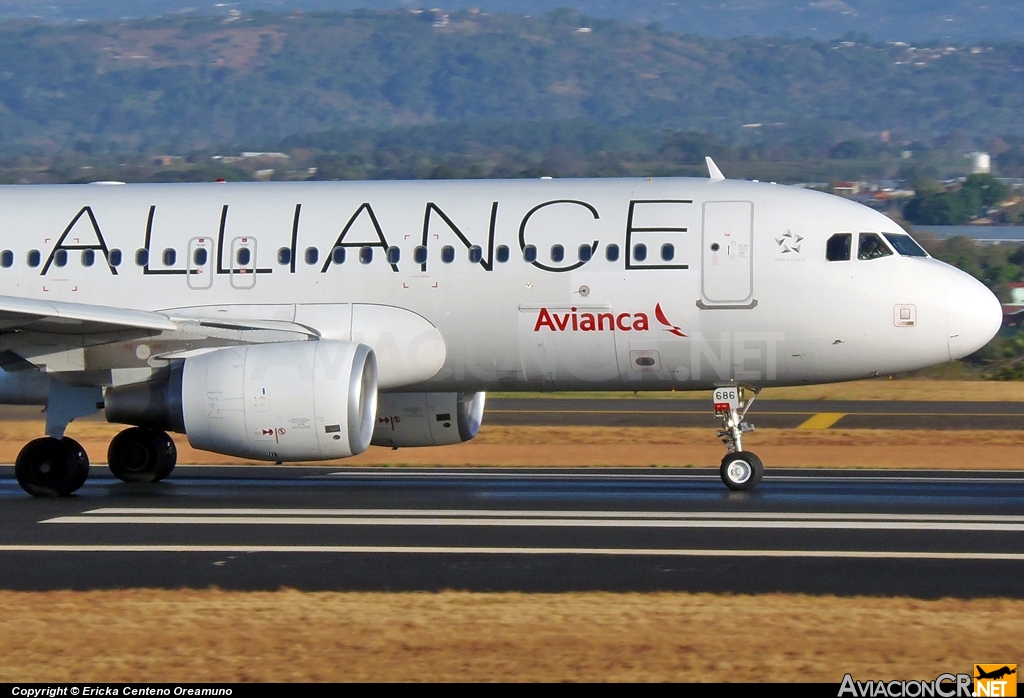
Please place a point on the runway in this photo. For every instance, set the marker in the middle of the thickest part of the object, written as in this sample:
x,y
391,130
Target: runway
x,y
779,414
924,534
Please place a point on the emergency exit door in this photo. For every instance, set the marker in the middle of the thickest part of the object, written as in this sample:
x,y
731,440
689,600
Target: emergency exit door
x,y
727,259
243,262
200,263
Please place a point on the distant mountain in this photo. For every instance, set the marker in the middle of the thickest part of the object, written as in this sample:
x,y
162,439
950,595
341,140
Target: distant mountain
x,y
903,20
182,83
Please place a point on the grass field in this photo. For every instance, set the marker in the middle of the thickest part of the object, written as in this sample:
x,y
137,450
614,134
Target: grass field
x,y
211,635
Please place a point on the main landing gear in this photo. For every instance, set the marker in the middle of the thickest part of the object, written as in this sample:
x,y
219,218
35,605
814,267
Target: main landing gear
x,y
50,467
741,470
56,465
142,455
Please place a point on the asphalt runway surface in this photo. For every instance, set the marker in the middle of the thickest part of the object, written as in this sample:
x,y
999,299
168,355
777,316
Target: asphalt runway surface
x,y
780,414
923,534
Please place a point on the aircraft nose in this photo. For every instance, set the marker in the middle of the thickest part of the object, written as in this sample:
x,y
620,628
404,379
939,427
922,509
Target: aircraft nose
x,y
973,316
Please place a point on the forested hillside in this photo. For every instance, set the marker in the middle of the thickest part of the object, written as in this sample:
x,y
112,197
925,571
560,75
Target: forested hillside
x,y
183,82
906,20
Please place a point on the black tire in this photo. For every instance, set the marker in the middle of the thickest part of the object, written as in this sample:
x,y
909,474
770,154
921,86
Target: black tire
x,y
169,454
47,467
139,455
741,471
80,463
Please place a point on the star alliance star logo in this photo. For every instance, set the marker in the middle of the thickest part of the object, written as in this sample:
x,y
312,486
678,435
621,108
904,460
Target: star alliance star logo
x,y
789,242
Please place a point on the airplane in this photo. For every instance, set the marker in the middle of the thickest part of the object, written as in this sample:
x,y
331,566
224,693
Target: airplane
x,y
303,321
994,674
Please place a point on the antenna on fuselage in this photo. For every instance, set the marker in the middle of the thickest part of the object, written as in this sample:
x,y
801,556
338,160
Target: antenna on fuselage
x,y
716,174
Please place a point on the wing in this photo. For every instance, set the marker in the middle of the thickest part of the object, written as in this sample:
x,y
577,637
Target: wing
x,y
89,344
60,317
93,345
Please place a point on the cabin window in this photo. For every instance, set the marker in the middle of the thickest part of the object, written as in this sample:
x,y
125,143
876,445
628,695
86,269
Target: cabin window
x,y
33,258
530,254
837,249
585,253
557,253
114,257
284,256
365,255
905,245
88,258
476,254
7,259
199,257
447,254
338,255
312,255
419,255
170,257
242,257
502,253
668,252
611,253
142,257
393,255
60,258
639,252
870,246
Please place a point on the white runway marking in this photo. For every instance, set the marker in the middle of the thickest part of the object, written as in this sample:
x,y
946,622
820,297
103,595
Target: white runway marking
x,y
541,519
457,550
596,474
545,513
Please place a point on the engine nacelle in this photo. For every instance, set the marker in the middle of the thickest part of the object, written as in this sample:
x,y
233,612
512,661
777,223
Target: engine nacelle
x,y
427,419
288,401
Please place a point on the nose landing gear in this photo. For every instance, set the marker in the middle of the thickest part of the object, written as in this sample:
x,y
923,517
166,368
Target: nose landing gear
x,y
741,470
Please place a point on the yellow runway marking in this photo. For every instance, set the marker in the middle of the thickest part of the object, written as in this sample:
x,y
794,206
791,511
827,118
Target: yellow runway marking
x,y
823,420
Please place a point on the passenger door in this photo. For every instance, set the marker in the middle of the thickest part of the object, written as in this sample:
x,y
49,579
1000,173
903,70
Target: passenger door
x,y
727,255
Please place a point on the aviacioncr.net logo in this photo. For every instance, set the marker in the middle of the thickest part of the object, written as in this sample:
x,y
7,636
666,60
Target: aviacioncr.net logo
x,y
943,686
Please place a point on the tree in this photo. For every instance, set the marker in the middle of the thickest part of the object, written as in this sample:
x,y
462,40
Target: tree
x,y
935,208
989,190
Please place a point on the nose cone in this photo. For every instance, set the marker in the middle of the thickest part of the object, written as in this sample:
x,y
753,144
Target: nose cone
x,y
973,316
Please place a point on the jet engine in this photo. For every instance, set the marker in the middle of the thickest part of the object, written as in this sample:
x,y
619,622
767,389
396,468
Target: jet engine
x,y
427,419
288,401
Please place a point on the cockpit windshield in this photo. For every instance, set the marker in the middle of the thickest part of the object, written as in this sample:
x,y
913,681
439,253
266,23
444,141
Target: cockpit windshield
x,y
905,245
870,246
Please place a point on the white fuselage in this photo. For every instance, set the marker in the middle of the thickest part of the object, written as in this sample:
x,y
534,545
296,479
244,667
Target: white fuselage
x,y
734,288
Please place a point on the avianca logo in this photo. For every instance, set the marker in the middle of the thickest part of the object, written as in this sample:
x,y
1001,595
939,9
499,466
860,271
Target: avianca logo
x,y
669,327
575,321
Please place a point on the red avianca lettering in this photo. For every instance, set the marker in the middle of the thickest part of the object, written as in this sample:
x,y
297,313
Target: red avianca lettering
x,y
591,322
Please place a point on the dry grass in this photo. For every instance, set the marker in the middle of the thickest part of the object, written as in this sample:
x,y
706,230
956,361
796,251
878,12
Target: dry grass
x,y
210,635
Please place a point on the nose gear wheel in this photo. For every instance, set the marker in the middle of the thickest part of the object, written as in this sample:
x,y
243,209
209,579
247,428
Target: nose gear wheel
x,y
741,470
